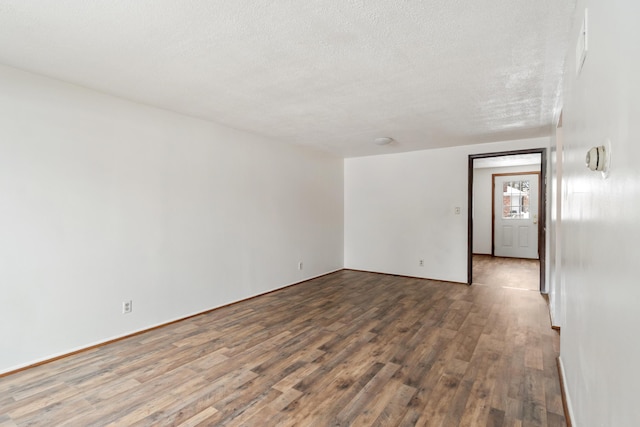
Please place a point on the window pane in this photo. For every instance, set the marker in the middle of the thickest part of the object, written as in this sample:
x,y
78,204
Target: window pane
x,y
515,199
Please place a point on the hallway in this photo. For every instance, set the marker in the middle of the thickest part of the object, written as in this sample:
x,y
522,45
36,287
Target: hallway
x,y
506,272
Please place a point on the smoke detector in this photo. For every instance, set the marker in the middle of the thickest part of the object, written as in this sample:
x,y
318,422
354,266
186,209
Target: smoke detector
x,y
385,140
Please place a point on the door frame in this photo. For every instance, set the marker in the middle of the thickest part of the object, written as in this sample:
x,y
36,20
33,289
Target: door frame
x,y
542,217
493,206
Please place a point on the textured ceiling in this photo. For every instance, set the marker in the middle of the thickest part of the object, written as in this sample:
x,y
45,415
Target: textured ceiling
x,y
327,73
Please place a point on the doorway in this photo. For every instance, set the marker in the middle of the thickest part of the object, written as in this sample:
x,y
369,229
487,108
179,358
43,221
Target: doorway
x,y
518,205
514,206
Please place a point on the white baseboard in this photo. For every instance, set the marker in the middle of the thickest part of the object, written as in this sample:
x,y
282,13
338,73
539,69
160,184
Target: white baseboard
x,y
565,394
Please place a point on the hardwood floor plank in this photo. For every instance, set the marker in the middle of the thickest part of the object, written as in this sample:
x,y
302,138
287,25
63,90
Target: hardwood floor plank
x,y
116,387
160,414
41,400
553,396
496,418
285,399
55,413
143,410
437,406
349,348
200,417
295,377
555,420
487,361
458,403
534,399
241,408
364,396
345,385
397,405
375,406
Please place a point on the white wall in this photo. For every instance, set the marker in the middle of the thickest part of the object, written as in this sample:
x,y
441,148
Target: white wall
x,y
103,200
600,349
556,281
399,208
482,213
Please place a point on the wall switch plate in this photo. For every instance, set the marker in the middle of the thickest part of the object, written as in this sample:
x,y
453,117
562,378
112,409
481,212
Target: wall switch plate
x,y
457,210
127,307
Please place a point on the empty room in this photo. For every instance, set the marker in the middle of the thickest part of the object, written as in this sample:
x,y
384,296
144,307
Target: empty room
x,y
324,213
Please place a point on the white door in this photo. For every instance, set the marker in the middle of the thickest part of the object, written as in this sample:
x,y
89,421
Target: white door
x,y
515,219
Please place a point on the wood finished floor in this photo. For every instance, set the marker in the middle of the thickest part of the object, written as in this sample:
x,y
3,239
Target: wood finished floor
x,y
350,348
512,272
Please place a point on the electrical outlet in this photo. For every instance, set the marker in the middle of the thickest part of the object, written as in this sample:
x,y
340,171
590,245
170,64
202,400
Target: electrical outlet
x,y
127,307
299,265
421,263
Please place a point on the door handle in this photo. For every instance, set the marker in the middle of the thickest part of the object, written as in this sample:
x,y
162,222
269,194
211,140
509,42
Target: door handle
x,y
535,219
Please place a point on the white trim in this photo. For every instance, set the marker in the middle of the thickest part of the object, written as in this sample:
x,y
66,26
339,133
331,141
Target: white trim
x,y
552,316
565,391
